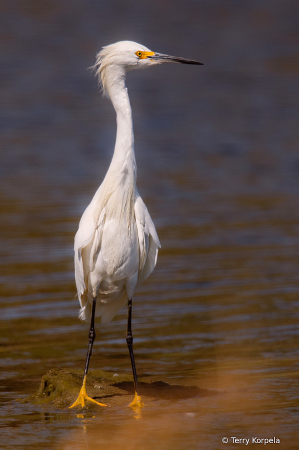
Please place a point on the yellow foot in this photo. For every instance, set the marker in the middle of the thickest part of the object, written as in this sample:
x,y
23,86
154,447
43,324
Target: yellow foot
x,y
137,401
83,397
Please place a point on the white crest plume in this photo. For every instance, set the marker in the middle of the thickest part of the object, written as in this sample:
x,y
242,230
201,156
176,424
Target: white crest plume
x,y
113,61
103,59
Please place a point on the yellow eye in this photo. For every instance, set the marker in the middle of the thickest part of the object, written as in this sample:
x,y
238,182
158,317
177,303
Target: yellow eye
x,y
139,54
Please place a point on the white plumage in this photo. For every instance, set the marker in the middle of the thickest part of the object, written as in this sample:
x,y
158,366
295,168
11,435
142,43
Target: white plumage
x,y
116,245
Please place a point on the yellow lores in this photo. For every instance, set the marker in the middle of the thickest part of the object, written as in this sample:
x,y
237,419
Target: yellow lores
x,y
144,55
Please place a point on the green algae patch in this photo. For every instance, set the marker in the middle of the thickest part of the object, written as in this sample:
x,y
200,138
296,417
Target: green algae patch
x,y
60,387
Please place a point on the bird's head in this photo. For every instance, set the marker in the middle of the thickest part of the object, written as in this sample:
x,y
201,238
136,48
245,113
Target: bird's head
x,y
116,59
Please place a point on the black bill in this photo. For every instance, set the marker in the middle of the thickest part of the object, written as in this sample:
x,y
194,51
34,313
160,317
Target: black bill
x,y
166,58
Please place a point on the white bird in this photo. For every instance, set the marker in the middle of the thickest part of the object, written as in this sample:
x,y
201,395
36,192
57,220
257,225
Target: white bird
x,y
116,245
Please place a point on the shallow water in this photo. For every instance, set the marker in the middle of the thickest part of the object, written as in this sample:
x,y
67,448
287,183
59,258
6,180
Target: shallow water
x,y
218,167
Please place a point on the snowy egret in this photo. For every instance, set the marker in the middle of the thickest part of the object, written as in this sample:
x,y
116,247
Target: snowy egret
x,y
116,245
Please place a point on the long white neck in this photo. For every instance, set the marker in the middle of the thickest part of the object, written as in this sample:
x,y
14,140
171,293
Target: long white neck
x,y
124,156
117,191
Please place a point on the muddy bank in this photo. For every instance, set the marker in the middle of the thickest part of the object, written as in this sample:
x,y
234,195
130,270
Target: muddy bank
x,y
60,387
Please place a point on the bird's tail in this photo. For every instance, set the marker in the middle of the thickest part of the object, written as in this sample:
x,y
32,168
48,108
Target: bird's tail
x,y
106,310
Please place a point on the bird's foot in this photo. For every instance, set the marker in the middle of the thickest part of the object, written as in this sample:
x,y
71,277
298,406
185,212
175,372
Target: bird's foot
x,y
83,397
137,402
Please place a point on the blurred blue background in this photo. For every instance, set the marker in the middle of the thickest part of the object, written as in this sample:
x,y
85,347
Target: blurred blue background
x,y
218,167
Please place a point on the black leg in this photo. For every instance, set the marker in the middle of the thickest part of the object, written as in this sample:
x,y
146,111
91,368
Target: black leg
x,y
83,397
130,345
92,335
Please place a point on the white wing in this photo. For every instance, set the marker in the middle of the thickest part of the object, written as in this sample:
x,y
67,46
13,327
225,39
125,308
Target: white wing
x,y
88,241
148,240
87,247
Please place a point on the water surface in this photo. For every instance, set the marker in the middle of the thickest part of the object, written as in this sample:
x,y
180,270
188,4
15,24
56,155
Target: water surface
x,y
218,167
